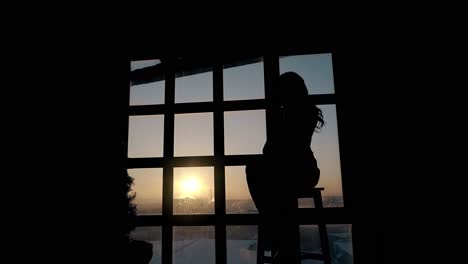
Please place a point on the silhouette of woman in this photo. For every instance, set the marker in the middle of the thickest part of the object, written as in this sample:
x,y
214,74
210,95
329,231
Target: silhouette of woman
x,y
287,167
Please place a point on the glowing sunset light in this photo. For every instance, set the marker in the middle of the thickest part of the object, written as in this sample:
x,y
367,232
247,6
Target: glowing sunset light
x,y
190,187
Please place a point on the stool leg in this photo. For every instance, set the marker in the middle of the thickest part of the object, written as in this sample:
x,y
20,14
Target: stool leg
x,y
260,248
324,242
323,232
263,245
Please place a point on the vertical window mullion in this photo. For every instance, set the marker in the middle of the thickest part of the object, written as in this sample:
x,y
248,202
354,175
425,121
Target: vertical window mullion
x,y
125,123
271,74
346,182
220,192
168,176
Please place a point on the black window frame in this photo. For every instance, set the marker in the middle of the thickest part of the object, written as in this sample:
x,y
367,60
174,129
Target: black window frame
x,y
219,160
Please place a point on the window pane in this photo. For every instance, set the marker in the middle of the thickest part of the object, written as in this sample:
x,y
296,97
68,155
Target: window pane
x,y
194,190
145,136
315,69
310,239
193,245
135,65
194,88
151,234
147,94
193,134
326,150
238,199
241,244
339,241
147,184
244,82
306,203
244,132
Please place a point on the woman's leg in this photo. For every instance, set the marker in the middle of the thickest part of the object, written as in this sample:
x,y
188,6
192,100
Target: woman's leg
x,y
288,238
259,186
255,172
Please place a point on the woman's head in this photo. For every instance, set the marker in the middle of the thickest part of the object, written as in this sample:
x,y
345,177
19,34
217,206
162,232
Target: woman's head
x,y
291,91
291,88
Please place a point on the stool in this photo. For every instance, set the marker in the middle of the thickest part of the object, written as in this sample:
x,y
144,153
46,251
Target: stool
x,y
316,194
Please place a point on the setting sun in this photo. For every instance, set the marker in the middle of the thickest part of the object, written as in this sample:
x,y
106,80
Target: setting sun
x,y
190,187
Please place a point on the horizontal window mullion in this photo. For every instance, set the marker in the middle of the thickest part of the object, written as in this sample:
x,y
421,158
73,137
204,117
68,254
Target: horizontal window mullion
x,y
307,216
186,108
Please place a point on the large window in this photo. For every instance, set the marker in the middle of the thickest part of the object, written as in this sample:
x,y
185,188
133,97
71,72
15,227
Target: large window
x,y
192,130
